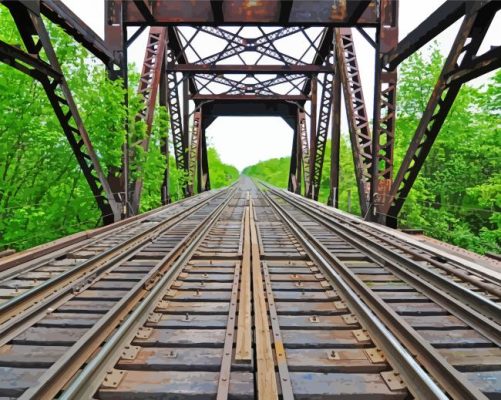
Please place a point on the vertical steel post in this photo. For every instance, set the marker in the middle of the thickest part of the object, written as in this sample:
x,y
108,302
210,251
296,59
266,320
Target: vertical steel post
x,y
164,142
335,138
205,177
116,41
186,124
299,155
293,164
125,150
313,137
383,132
148,89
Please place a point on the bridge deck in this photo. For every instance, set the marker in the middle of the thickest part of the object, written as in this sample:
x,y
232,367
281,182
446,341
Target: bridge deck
x,y
247,292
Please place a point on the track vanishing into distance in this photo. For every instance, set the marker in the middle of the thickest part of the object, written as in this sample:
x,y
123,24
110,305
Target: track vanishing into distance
x,y
248,292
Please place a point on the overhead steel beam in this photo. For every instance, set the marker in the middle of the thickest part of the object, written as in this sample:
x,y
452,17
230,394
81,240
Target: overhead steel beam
x,y
270,13
248,69
249,97
148,89
443,17
468,40
144,8
36,40
61,15
358,121
217,11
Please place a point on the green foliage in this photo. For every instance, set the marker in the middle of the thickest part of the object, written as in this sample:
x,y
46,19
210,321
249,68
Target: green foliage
x,y
43,194
457,196
274,171
220,174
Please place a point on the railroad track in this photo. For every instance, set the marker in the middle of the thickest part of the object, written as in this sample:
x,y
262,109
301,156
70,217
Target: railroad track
x,y
260,294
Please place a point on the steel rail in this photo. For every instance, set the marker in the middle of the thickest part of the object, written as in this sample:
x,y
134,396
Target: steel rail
x,y
364,225
481,313
33,259
88,381
21,322
456,385
38,294
418,381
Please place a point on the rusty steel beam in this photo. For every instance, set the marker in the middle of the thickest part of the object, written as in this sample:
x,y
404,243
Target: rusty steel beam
x,y
383,132
249,97
305,149
443,17
292,182
248,69
324,117
333,199
194,154
144,8
61,15
468,40
313,136
249,13
164,139
358,121
203,165
26,63
148,89
178,138
36,40
477,66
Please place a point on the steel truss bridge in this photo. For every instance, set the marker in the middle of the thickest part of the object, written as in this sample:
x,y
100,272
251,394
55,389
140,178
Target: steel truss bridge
x,y
254,73
252,292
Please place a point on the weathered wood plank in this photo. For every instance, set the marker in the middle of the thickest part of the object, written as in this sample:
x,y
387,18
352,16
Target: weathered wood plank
x,y
193,385
319,386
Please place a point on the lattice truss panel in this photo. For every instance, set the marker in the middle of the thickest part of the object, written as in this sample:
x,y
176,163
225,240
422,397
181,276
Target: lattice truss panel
x,y
247,47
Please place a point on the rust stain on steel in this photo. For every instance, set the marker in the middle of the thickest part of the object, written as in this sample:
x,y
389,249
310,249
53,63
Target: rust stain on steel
x,y
251,10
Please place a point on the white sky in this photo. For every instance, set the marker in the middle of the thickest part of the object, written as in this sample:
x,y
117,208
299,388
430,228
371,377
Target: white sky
x,y
245,141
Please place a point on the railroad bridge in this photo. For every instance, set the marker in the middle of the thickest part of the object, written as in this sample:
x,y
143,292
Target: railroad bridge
x,y
252,292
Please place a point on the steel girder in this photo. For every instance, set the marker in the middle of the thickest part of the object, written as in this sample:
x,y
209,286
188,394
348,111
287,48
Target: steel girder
x,y
36,40
383,132
322,132
293,169
478,18
178,138
333,199
194,154
237,12
305,150
164,139
203,164
148,89
358,121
